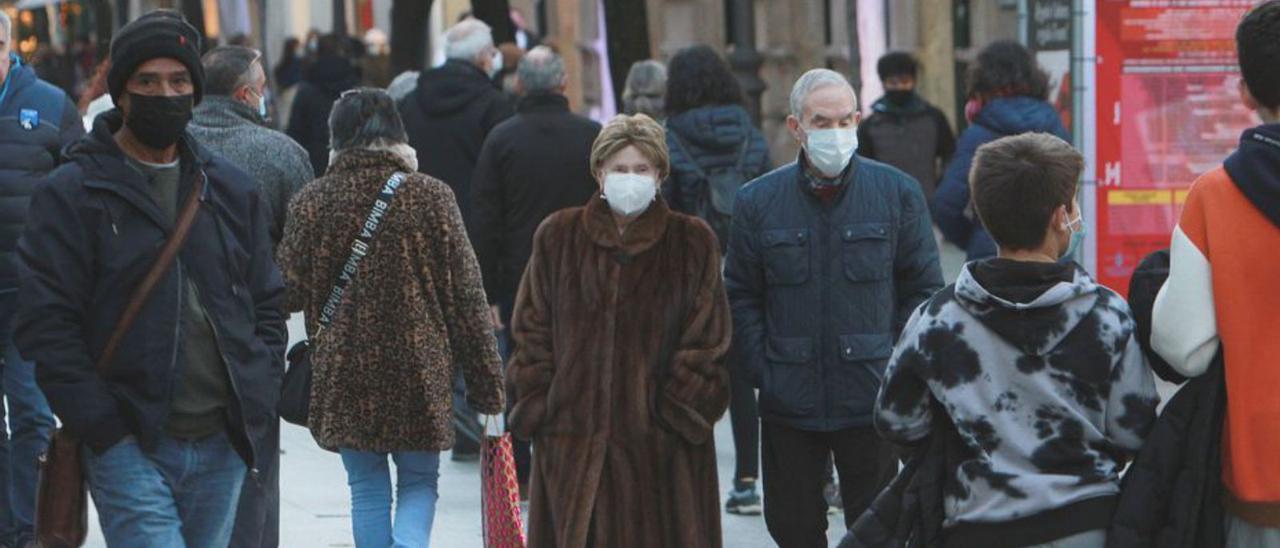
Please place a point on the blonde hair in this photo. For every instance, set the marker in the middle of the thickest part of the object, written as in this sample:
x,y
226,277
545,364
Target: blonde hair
x,y
637,130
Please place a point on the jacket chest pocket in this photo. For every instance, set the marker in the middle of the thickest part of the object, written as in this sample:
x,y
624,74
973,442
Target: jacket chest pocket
x,y
786,256
867,253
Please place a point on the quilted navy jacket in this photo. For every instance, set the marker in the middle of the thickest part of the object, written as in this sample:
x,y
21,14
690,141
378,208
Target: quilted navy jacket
x,y
819,292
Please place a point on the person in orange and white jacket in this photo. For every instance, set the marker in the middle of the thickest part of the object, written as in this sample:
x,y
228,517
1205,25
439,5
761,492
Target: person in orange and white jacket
x,y
1224,288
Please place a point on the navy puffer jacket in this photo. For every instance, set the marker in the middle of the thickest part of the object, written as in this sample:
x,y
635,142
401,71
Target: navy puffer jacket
x,y
36,121
709,138
1000,118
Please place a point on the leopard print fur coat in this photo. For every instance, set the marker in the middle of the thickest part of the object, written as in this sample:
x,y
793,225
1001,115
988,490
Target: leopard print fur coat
x,y
384,369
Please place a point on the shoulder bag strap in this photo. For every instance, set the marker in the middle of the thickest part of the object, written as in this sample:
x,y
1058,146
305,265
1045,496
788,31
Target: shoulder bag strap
x,y
186,218
359,248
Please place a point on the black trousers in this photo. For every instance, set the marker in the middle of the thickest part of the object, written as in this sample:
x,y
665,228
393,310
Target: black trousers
x,y
795,463
745,419
258,513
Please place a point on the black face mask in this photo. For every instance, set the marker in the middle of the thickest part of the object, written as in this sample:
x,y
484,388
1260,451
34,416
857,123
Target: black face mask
x,y
899,97
158,121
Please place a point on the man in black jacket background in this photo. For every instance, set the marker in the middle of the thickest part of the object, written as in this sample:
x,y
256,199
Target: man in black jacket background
x,y
181,413
532,165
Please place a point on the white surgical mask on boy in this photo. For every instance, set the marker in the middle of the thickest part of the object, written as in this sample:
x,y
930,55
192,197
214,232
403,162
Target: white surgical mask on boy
x,y
830,150
629,194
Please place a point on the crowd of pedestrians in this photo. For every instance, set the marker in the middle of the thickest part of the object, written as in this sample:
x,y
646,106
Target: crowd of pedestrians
x,y
462,244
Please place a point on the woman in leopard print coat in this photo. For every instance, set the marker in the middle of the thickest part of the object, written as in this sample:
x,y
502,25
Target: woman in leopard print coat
x,y
383,369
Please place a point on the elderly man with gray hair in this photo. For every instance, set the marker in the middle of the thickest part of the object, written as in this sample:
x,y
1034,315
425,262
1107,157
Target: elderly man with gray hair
x,y
532,165
828,257
455,106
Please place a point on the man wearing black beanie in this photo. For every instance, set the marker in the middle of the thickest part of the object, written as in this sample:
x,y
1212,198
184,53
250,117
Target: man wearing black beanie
x,y
174,421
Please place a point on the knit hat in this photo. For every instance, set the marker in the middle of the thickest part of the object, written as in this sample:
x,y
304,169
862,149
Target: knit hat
x,y
158,34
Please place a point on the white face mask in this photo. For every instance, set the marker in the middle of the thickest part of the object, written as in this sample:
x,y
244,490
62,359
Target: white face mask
x,y
629,194
830,150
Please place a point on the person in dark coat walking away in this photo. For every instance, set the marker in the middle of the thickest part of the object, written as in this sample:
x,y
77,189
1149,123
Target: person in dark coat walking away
x,y
1038,367
828,256
36,121
715,150
447,119
455,107
323,80
531,166
1007,91
231,122
381,390
903,130
1222,290
182,412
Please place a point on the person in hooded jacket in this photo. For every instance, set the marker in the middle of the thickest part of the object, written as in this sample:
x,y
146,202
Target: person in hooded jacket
x,y
1038,367
1007,92
36,121
323,80
174,421
455,107
1222,289
709,132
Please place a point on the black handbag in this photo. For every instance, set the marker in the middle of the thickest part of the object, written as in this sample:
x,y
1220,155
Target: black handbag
x,y
295,392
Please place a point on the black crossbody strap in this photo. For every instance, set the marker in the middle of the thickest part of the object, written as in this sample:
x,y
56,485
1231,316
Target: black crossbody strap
x,y
360,247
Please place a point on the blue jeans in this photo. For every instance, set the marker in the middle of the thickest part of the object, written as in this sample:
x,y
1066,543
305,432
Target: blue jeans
x,y
30,425
417,483
183,494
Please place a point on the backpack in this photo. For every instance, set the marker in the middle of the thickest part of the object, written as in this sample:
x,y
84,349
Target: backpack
x,y
719,188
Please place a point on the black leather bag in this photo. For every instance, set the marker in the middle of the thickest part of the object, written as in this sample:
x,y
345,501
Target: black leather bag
x,y
295,392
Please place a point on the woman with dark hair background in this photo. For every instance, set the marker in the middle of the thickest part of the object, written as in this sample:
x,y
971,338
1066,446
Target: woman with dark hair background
x,y
1007,93
715,150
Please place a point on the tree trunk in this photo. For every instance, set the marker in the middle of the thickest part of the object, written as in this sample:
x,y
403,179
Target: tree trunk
x,y
340,17
193,10
104,25
855,48
497,14
409,34
627,25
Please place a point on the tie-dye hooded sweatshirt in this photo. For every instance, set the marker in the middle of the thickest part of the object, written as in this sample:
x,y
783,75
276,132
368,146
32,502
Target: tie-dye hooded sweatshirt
x,y
1051,396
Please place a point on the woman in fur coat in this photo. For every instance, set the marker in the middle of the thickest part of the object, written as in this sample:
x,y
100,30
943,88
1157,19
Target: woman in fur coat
x,y
621,327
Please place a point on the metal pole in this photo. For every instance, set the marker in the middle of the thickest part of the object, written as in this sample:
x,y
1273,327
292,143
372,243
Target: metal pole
x,y
744,59
855,49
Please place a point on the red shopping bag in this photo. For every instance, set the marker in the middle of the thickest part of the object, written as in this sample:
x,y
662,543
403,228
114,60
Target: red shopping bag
x,y
500,493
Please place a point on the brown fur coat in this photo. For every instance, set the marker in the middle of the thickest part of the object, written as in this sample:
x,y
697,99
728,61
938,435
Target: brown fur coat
x,y
383,370
619,377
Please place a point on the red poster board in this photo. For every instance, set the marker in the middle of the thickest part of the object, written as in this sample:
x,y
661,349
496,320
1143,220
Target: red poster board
x,y
1167,110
